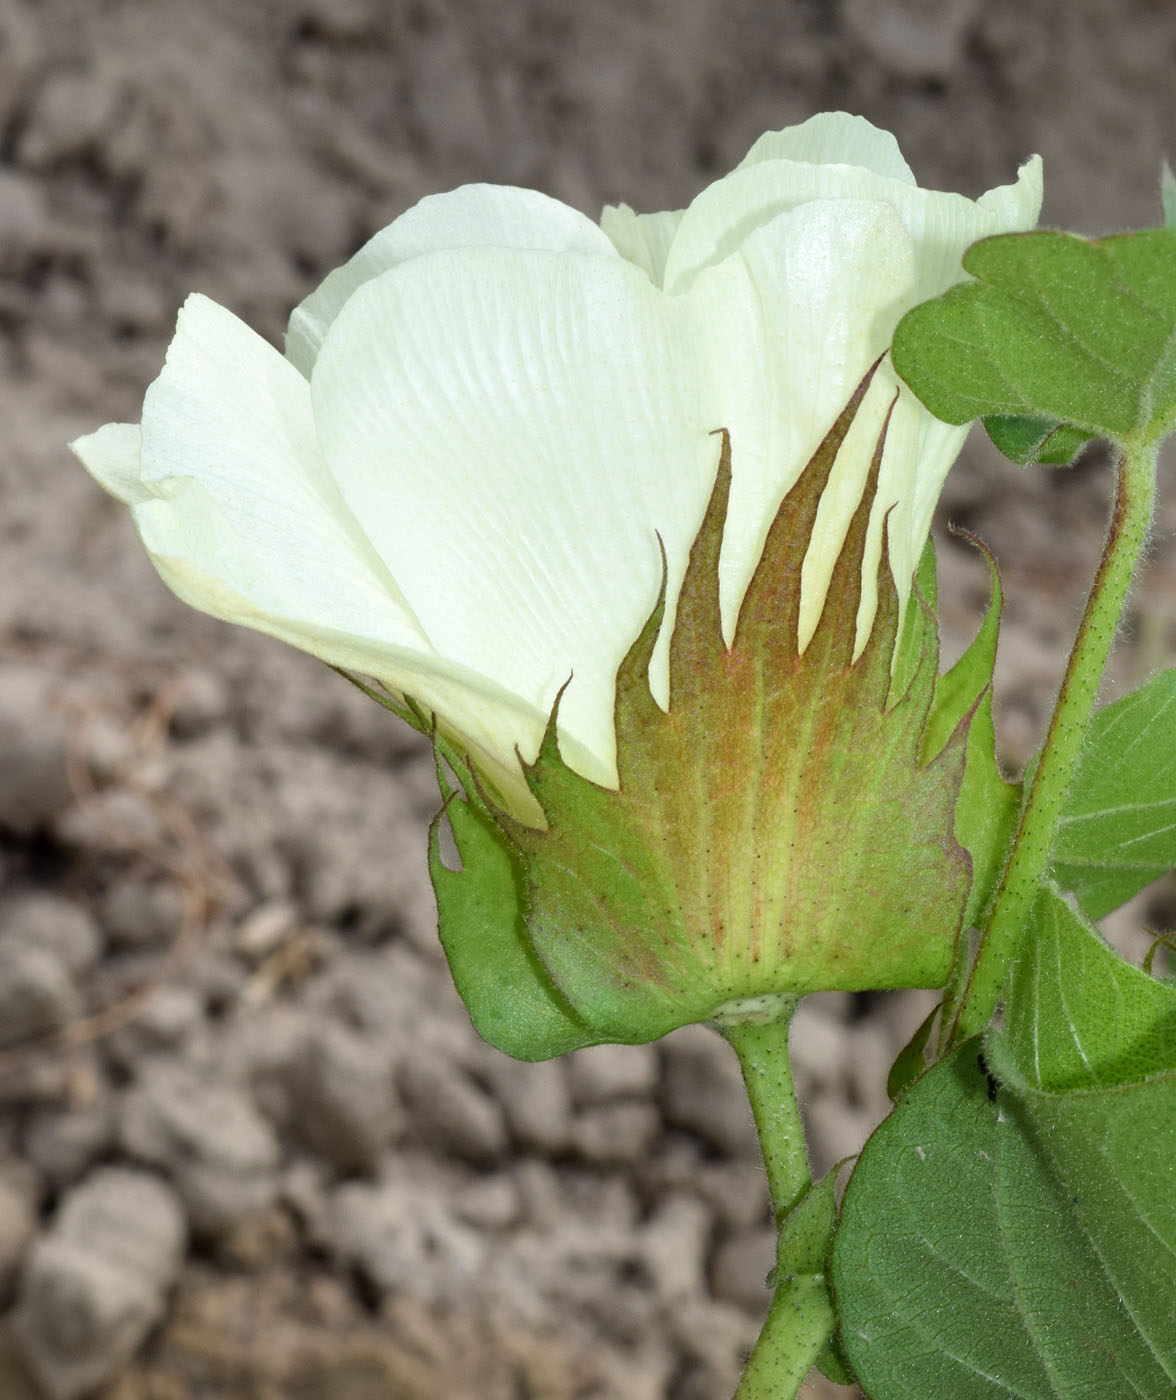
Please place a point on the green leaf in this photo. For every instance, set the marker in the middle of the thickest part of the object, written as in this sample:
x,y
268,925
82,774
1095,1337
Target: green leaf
x,y
1118,828
911,1060
974,1263
510,998
1168,195
1042,440
1077,1016
1010,1230
1066,337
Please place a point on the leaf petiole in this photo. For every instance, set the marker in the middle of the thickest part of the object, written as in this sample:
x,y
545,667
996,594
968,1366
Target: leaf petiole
x,y
1127,530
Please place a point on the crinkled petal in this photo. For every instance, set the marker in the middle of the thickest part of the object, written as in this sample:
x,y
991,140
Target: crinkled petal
x,y
643,239
834,138
228,488
111,456
1017,206
941,225
513,428
792,323
207,556
473,216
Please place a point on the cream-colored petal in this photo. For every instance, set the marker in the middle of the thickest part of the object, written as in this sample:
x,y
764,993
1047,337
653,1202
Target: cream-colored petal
x,y
918,453
1016,206
643,239
791,324
513,427
230,415
111,456
485,216
941,225
208,558
834,138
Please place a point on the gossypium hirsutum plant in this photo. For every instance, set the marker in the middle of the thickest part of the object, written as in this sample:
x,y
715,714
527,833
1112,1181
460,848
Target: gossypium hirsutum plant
x,y
626,517
632,520
626,514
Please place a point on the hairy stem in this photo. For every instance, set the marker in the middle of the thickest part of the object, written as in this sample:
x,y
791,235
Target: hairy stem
x,y
800,1318
1011,911
799,1323
762,1048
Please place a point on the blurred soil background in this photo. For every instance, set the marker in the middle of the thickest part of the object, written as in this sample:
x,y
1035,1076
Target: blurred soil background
x,y
265,1157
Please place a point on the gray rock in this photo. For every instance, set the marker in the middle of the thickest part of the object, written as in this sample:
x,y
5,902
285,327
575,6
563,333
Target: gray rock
x,y
261,1050
607,1072
717,1338
535,1100
37,994
835,1129
736,1191
703,1092
117,821
915,38
741,1266
612,1133
166,1020
490,1203
674,1246
68,118
63,1145
450,1111
41,920
21,57
34,783
202,700
819,1044
142,913
220,1154
342,1096
19,1191
98,1282
265,928
402,1234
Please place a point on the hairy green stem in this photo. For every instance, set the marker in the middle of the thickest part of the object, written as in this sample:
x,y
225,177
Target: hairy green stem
x,y
799,1323
1028,861
800,1318
762,1047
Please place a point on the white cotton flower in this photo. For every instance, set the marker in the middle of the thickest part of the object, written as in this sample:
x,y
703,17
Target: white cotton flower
x,y
455,479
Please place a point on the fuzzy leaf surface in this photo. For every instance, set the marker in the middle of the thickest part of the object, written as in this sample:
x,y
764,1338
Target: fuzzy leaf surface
x,y
1010,1230
1059,339
1118,829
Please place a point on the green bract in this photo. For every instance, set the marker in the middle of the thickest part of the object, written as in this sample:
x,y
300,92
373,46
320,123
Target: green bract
x,y
455,479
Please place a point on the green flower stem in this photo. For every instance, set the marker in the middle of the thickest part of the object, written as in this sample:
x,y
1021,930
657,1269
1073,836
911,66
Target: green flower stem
x,y
1130,519
800,1318
799,1323
762,1047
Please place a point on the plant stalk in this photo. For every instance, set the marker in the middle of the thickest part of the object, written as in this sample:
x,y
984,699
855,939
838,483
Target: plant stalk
x,y
1012,908
800,1318
762,1047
